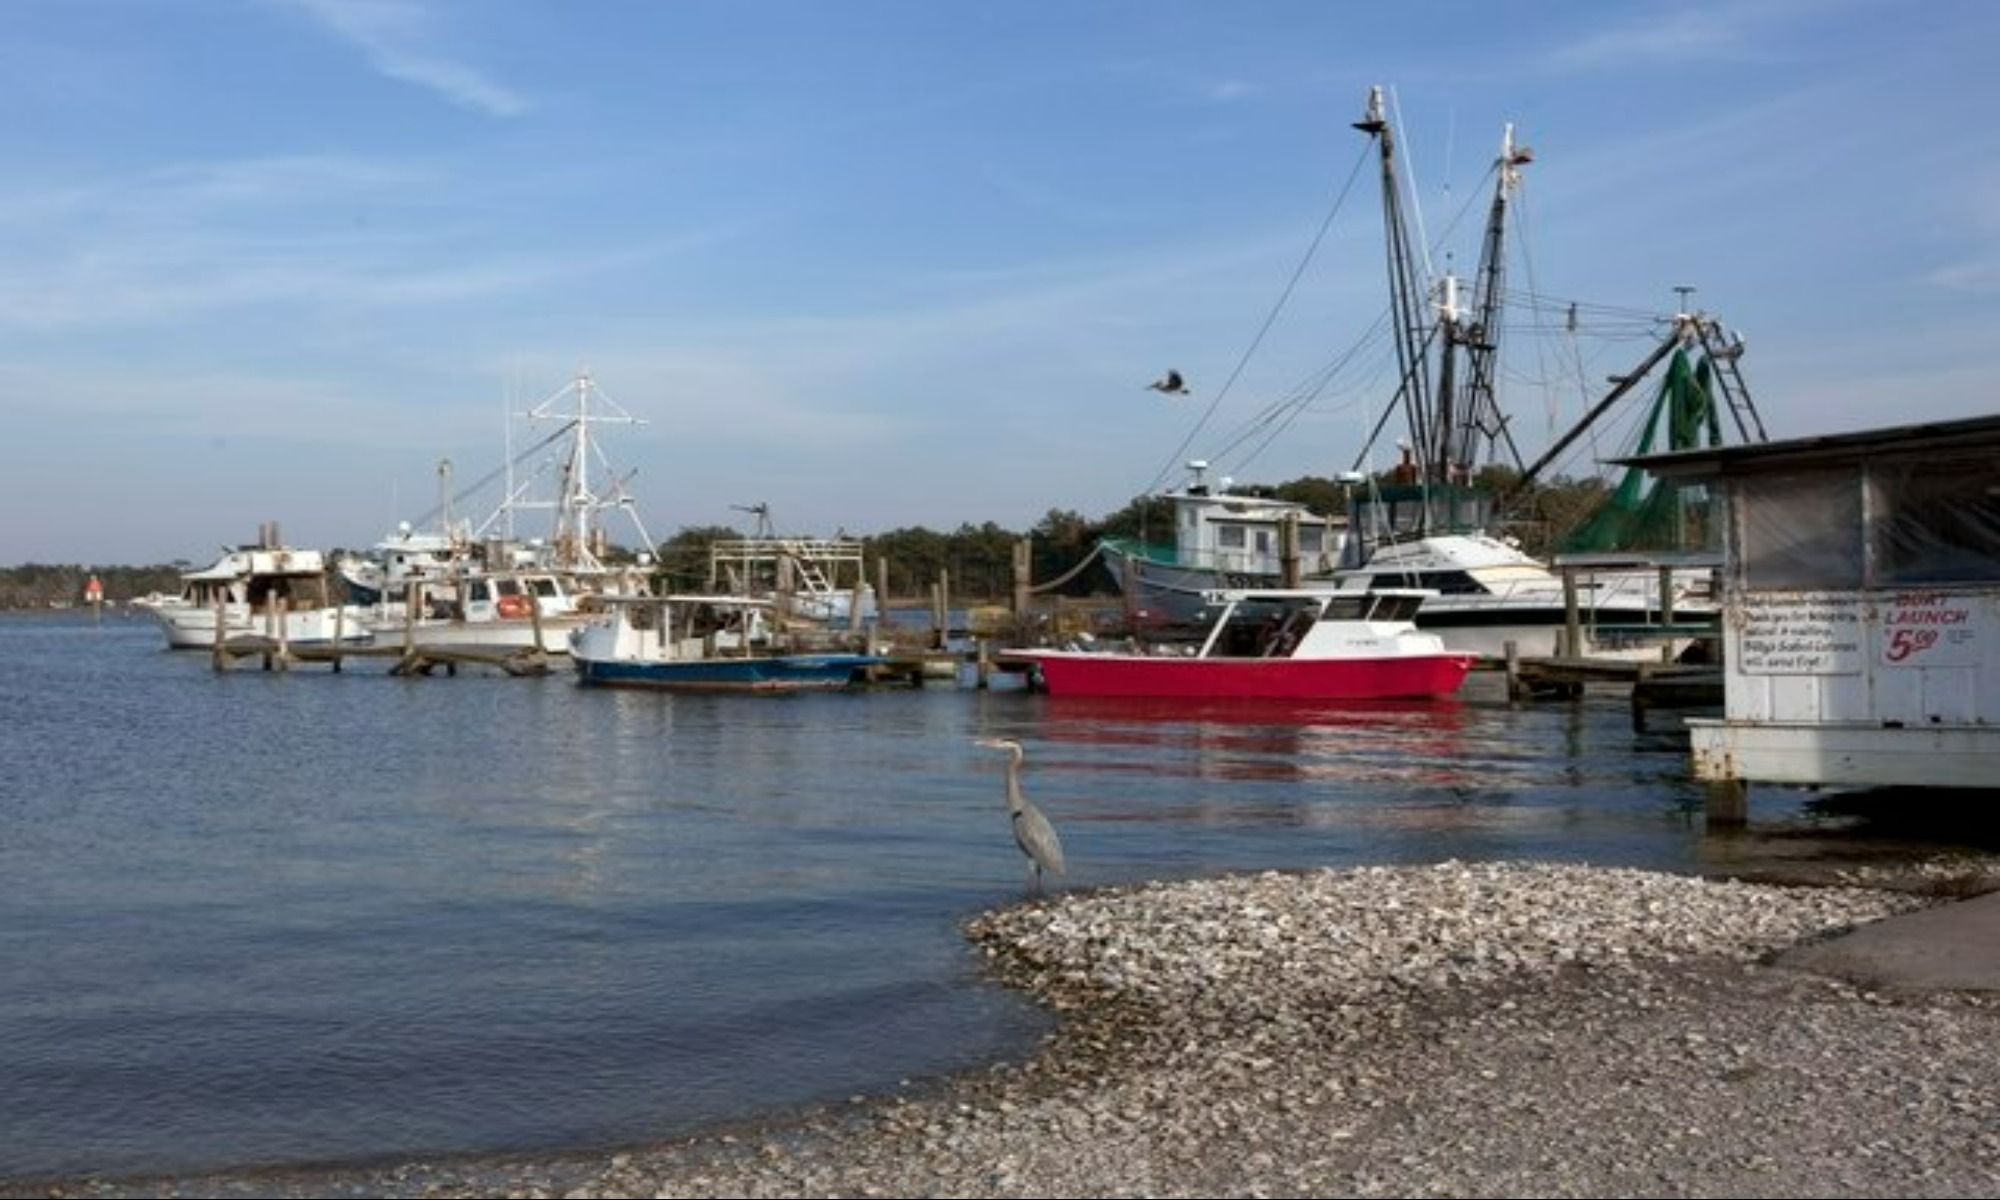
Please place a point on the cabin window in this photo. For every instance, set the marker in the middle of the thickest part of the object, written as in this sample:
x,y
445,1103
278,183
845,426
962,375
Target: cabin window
x,y
1800,530
1311,541
1230,536
1936,521
543,586
1397,608
507,587
1263,541
1451,583
1347,608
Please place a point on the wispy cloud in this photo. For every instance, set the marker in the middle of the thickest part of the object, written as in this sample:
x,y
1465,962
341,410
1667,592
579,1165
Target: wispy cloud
x,y
1976,275
399,37
1657,36
1230,89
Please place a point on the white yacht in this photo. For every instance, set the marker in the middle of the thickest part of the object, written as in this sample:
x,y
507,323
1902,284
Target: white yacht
x,y
266,589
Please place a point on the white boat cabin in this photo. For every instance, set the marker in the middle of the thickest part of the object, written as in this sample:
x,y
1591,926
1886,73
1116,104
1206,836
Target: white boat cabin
x,y
1244,536
1861,589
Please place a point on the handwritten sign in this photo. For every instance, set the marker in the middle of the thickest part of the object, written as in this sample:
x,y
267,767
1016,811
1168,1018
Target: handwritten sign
x,y
1806,634
1928,629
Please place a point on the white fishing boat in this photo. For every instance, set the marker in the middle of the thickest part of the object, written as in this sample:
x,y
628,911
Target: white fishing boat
x,y
267,589
482,588
703,643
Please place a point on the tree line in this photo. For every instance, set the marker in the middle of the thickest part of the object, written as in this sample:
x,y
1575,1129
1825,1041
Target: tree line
x,y
979,558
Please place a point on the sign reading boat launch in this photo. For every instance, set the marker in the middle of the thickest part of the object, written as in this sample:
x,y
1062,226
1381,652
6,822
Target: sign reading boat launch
x,y
1929,629
1808,634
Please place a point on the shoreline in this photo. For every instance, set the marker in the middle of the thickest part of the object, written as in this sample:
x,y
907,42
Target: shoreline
x,y
1482,1029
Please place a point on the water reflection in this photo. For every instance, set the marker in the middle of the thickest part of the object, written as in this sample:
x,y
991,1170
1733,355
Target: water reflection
x,y
1420,742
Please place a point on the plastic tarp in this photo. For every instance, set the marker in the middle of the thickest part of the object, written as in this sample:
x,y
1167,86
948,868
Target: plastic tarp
x,y
1800,530
1935,521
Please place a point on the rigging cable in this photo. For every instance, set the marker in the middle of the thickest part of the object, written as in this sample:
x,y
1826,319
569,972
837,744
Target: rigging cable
x,y
1173,462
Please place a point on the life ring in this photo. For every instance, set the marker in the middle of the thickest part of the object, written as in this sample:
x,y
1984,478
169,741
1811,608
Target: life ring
x,y
512,607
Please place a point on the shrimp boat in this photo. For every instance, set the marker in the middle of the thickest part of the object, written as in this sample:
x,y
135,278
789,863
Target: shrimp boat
x,y
701,643
1278,644
478,589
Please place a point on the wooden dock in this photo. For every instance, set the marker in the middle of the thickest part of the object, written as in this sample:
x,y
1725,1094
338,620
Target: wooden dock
x,y
1653,685
275,654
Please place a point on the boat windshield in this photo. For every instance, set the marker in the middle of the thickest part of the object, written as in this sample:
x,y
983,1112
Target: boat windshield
x,y
1396,608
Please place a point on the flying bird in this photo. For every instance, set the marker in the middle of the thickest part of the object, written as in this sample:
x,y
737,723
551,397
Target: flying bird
x,y
1032,831
1169,384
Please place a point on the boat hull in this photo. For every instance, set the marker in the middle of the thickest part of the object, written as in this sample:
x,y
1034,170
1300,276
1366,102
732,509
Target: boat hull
x,y
192,627
1070,673
766,673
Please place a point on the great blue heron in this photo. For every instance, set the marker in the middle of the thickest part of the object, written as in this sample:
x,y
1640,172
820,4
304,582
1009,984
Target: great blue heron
x,y
1032,831
1169,384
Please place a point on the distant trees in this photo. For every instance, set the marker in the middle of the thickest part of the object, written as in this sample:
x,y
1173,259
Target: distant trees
x,y
980,558
46,585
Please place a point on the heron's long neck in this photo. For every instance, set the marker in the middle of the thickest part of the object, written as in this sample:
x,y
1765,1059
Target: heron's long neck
x,y
1014,782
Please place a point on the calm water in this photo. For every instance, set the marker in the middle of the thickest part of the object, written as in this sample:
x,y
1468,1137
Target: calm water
x,y
257,917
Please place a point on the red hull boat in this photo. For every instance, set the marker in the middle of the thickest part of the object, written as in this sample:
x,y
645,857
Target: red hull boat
x,y
1276,645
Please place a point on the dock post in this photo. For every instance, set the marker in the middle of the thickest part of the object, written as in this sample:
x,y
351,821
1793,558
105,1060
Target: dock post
x,y
1128,587
412,597
941,608
339,634
218,655
285,635
1513,652
983,670
1642,695
1728,805
1572,621
1667,612
1023,569
1288,550
270,626
534,618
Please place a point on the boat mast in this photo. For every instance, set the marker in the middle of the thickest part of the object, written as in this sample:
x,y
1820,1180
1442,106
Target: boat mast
x,y
1451,427
1406,287
1478,422
576,504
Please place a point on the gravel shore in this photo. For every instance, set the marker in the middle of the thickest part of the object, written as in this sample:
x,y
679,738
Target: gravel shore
x,y
1452,1029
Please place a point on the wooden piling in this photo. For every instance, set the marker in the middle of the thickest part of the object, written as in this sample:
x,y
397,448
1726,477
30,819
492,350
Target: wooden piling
x,y
412,599
270,601
535,616
1288,550
1515,688
1572,646
1727,806
1023,589
218,655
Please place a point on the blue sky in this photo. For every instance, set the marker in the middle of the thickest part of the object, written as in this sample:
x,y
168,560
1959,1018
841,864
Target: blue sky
x,y
887,264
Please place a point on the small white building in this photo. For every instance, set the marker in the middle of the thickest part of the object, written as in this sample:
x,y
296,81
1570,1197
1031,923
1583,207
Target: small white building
x,y
1861,614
